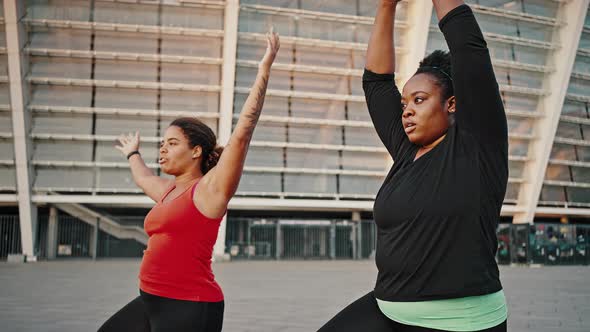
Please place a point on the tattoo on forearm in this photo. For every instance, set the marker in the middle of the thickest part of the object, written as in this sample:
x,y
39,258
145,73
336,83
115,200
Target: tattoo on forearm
x,y
252,112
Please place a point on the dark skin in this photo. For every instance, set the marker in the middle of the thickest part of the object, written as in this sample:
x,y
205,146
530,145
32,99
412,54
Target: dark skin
x,y
427,115
427,110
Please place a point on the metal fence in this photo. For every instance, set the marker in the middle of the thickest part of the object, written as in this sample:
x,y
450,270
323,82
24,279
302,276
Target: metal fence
x,y
110,246
73,237
284,239
9,236
299,239
548,244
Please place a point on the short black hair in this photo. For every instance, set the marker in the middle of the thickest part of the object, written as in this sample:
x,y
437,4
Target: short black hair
x,y
438,65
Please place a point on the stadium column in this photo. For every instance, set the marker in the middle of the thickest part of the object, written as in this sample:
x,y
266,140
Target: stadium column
x,y
332,245
94,238
358,234
52,226
14,11
419,15
226,103
415,40
278,240
570,18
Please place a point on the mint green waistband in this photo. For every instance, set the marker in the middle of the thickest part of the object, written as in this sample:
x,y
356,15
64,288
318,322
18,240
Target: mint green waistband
x,y
472,313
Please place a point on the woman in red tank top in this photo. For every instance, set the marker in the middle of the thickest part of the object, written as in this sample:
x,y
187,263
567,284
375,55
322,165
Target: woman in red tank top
x,y
178,291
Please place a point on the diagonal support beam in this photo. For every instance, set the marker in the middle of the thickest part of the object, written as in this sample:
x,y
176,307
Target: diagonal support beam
x,y
562,59
230,45
21,122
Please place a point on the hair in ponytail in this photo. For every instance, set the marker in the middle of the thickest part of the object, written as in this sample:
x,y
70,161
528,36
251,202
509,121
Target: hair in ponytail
x,y
212,159
199,134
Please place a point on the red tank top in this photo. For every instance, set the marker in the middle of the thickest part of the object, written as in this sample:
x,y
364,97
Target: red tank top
x,y
177,261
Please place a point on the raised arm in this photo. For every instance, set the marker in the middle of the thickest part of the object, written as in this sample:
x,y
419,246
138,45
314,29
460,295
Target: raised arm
x,y
380,52
219,185
382,96
443,7
152,185
479,104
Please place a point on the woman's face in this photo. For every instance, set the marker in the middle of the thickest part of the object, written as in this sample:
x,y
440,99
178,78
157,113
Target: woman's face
x,y
425,114
176,157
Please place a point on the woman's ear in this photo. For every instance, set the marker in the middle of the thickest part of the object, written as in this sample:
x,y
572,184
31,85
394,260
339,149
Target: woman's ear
x,y
197,151
451,104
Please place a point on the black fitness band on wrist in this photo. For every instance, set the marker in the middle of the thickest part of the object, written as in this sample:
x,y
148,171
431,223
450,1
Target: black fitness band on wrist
x,y
132,153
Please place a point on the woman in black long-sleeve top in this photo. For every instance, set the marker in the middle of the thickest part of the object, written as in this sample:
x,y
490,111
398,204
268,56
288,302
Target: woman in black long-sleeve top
x,y
439,206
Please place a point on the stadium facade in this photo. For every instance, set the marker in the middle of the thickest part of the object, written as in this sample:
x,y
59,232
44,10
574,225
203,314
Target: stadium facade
x,y
75,74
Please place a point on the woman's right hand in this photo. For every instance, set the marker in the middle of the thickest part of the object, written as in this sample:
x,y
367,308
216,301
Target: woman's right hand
x,y
129,143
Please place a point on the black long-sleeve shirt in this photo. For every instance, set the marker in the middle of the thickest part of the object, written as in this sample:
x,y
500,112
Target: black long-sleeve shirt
x,y
437,216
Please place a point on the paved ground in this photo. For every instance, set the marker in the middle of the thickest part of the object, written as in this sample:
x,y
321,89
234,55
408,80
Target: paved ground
x,y
265,296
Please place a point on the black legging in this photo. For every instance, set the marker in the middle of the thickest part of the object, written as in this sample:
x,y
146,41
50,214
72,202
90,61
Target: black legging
x,y
364,315
151,313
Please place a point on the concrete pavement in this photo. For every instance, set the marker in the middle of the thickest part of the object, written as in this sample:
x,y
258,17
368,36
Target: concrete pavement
x,y
265,296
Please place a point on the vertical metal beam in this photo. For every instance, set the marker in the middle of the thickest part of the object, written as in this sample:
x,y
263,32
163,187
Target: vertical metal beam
x,y
333,239
572,13
21,122
278,240
52,229
306,243
94,239
226,102
359,236
357,239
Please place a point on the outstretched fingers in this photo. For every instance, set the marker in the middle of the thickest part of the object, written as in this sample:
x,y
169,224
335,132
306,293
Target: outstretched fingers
x,y
130,138
122,139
